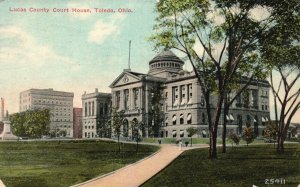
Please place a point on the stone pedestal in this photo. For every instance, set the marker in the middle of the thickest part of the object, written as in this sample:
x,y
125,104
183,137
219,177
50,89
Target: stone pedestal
x,y
6,133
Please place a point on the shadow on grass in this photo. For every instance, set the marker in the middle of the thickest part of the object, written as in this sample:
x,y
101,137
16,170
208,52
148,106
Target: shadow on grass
x,y
241,166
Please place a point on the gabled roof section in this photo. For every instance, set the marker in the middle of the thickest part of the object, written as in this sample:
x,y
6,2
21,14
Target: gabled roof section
x,y
127,77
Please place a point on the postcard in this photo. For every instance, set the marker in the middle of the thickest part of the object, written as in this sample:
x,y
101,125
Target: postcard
x,y
149,93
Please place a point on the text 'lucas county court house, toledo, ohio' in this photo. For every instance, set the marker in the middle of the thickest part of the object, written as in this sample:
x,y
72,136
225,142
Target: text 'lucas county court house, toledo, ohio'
x,y
182,104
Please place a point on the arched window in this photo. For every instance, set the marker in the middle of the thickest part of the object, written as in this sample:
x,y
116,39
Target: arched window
x,y
181,119
203,118
125,128
189,118
85,109
255,120
248,123
174,119
240,123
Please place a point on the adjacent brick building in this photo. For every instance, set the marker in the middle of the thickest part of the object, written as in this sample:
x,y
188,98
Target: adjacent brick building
x,y
60,104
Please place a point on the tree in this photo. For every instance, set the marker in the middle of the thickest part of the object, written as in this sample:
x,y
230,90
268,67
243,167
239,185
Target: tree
x,y
156,112
191,132
282,50
234,138
229,35
135,128
32,123
248,135
117,119
270,132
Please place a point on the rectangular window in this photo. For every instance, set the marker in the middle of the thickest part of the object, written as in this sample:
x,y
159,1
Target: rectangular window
x,y
136,96
175,96
85,109
105,109
189,94
182,95
126,99
101,109
118,99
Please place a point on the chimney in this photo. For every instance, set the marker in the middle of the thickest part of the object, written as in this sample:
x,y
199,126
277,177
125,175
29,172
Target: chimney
x,y
96,90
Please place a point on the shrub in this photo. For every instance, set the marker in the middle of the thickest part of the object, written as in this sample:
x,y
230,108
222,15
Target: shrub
x,y
248,135
234,139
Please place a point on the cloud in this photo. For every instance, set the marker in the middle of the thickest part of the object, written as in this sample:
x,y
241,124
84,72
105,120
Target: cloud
x,y
19,47
105,29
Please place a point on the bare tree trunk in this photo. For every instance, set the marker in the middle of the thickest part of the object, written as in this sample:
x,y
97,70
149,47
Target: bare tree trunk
x,y
224,134
214,146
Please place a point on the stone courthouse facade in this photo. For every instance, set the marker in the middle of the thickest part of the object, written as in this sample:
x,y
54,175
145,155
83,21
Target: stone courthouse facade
x,y
182,103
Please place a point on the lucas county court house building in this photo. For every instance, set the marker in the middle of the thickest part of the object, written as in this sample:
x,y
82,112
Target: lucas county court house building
x,y
182,102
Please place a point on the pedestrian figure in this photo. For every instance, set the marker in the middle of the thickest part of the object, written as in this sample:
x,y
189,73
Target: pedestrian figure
x,y
180,144
203,133
159,141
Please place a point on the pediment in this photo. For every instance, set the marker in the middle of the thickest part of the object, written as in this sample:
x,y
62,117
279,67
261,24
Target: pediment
x,y
124,79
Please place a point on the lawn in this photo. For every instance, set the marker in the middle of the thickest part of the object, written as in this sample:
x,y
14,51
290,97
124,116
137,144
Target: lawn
x,y
241,166
63,163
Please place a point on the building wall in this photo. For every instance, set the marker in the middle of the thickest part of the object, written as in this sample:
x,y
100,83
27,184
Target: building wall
x,y
183,104
60,105
95,114
77,122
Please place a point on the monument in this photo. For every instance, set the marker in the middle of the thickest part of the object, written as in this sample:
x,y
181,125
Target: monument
x,y
6,133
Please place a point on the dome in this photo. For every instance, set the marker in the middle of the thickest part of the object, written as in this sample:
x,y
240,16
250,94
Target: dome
x,y
166,56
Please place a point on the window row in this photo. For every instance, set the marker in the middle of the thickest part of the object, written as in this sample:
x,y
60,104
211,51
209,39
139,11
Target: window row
x,y
181,119
165,64
89,127
182,95
89,135
62,120
126,100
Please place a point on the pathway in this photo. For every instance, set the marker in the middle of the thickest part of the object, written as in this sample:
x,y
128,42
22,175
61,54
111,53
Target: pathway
x,y
137,173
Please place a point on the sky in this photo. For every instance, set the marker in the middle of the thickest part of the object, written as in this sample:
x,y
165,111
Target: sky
x,y
70,51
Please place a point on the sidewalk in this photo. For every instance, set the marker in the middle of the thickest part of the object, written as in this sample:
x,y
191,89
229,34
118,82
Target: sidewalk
x,y
137,173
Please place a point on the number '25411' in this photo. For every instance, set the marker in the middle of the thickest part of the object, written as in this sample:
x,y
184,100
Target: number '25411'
x,y
275,181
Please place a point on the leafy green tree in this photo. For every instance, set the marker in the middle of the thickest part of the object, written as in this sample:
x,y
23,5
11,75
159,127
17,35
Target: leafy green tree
x,y
135,128
117,119
191,132
248,135
230,37
17,124
32,123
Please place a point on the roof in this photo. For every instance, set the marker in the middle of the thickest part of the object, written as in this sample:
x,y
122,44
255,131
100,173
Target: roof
x,y
166,55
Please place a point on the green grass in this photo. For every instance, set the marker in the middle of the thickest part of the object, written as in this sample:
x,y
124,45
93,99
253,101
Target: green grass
x,y
195,140
241,166
63,163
